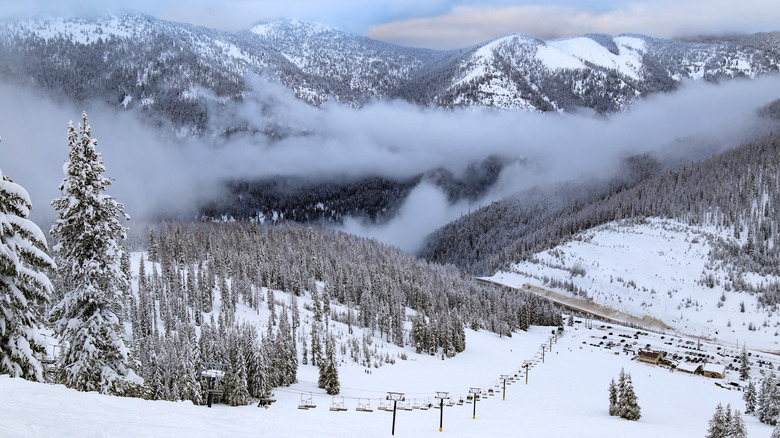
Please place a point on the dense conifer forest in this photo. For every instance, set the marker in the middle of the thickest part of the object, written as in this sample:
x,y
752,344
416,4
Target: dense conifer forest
x,y
194,277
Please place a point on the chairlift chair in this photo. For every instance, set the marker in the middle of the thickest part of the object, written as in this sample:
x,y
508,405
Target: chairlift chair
x,y
337,404
307,402
384,405
364,405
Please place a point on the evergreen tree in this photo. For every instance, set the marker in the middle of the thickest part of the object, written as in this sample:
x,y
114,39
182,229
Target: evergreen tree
x,y
151,247
628,407
419,336
744,367
237,384
775,432
316,346
329,373
737,428
750,398
23,284
718,424
189,358
305,358
613,398
89,317
286,351
768,405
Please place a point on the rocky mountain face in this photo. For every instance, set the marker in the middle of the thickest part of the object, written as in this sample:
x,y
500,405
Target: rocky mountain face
x,y
182,75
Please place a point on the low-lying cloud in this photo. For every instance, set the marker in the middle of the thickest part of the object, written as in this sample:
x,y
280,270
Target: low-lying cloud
x,y
157,175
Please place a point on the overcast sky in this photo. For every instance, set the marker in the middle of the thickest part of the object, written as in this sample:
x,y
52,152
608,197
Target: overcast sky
x,y
447,23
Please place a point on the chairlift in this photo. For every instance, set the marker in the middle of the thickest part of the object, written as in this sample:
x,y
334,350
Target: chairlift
x,y
337,404
460,401
384,405
307,402
416,405
213,372
404,405
427,405
364,405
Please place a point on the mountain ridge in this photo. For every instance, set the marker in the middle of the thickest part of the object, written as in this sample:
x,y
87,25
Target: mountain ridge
x,y
181,74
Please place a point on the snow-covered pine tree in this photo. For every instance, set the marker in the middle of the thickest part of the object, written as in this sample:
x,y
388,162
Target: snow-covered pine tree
x,y
737,427
88,320
286,351
316,346
189,358
23,284
768,405
305,357
151,247
613,398
329,373
237,383
750,398
718,426
628,407
459,337
744,367
270,301
775,432
418,336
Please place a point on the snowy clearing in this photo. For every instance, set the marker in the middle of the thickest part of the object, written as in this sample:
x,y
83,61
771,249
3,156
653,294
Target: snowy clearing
x,y
656,269
565,396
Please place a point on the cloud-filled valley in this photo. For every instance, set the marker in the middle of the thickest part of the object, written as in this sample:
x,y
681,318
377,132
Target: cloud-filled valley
x,y
158,175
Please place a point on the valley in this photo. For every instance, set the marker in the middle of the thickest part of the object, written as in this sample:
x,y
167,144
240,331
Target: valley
x,y
309,224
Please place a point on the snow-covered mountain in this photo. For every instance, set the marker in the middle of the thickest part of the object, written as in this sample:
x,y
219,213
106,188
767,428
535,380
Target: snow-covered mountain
x,y
183,74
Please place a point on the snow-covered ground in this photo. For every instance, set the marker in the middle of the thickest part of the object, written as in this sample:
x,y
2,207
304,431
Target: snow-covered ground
x,y
565,396
572,53
654,268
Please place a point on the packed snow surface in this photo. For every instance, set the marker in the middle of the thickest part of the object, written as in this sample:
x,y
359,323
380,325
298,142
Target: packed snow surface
x,y
565,396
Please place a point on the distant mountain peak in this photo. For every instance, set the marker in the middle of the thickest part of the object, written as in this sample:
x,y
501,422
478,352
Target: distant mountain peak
x,y
293,25
177,71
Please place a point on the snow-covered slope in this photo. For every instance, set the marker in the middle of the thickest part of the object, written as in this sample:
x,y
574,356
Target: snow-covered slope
x,y
659,268
565,396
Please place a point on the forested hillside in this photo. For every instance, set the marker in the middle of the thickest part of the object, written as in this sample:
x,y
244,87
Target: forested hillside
x,y
738,190
373,198
204,278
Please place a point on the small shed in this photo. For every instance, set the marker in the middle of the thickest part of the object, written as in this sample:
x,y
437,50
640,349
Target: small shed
x,y
688,367
713,370
651,357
